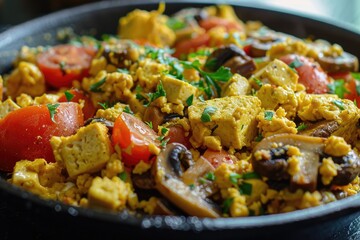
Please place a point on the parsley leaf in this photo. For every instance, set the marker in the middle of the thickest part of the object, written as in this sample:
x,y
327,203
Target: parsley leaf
x,y
62,65
96,86
123,176
338,87
160,92
302,127
259,137
339,104
189,100
149,124
192,186
175,24
69,96
200,52
258,82
122,70
296,63
210,176
128,110
159,54
206,115
233,177
245,188
227,204
251,175
52,109
268,115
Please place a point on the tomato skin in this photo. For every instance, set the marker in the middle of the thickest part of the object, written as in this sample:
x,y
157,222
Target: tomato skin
x,y
89,109
190,45
216,158
134,138
77,63
25,133
310,74
176,134
212,22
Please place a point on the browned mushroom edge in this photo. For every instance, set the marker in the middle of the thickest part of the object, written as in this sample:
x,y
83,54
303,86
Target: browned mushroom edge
x,y
270,159
168,171
346,62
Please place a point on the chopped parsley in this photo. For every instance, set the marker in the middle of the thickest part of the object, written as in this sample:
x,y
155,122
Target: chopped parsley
x,y
62,65
234,177
201,98
268,115
250,175
123,176
69,96
159,54
259,137
210,176
175,24
149,124
245,188
206,115
211,64
96,86
192,186
258,82
52,110
122,70
160,92
296,63
162,139
302,127
200,52
227,204
189,100
338,87
339,104
128,110
164,131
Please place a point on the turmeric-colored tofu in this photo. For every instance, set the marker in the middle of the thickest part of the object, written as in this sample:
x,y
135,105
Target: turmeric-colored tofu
x,y
177,91
234,120
85,152
7,106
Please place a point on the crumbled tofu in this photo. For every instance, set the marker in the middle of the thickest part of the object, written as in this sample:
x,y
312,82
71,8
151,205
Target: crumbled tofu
x,y
336,146
141,167
177,91
26,78
108,193
290,46
87,151
234,121
46,98
276,73
7,106
327,170
236,86
111,113
24,100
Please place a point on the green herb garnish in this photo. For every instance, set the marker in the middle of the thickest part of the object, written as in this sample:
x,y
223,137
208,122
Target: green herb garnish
x,y
338,87
296,63
123,176
210,176
233,177
206,115
128,110
339,104
52,110
149,124
227,204
160,92
122,70
189,100
96,86
164,130
69,96
302,127
245,188
62,65
192,186
268,115
175,24
259,137
258,82
250,175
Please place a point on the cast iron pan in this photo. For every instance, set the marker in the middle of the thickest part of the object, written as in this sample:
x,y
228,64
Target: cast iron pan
x,y
22,214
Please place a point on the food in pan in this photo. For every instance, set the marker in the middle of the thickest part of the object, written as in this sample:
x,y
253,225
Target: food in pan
x,y
197,113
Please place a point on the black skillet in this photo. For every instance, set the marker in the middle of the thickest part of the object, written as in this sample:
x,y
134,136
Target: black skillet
x,y
24,215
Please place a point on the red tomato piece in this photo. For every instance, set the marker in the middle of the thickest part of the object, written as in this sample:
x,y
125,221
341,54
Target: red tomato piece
x,y
216,158
212,22
26,132
176,134
191,45
311,75
62,64
77,95
133,137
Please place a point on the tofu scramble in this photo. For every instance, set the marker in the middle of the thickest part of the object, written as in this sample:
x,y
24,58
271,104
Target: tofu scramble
x,y
198,113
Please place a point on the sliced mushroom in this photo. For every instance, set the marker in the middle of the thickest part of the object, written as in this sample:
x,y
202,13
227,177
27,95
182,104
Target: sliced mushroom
x,y
233,57
107,123
170,184
320,129
346,62
144,180
349,168
263,39
273,160
155,116
121,54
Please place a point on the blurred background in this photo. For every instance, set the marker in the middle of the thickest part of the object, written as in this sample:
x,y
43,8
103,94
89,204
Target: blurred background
x,y
13,12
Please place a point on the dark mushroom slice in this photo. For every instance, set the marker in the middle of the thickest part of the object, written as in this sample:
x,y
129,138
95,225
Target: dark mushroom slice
x,y
155,116
144,180
272,156
170,185
322,129
107,123
121,54
233,57
346,62
349,168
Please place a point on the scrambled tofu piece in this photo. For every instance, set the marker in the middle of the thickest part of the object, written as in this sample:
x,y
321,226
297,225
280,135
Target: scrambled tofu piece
x,y
290,46
87,151
276,73
7,106
109,87
37,176
234,120
150,26
273,97
236,86
177,91
111,113
26,78
108,193
271,123
148,72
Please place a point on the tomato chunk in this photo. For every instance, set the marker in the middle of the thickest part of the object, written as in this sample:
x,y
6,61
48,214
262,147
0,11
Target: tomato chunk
x,y
191,45
134,138
212,22
77,96
216,158
62,64
177,135
311,75
26,132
